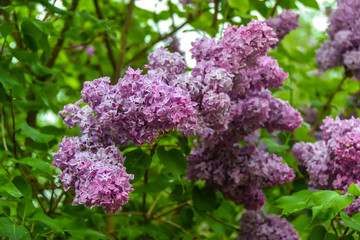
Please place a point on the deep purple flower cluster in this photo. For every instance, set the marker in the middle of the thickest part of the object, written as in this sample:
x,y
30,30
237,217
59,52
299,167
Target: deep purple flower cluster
x,y
96,174
283,23
239,172
343,48
254,226
334,162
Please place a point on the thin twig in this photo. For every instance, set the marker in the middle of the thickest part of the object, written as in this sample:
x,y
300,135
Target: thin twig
x,y
171,210
57,202
215,18
120,61
128,213
223,222
176,226
144,195
151,208
106,36
345,232
3,131
59,43
163,37
2,48
274,8
333,227
13,121
327,105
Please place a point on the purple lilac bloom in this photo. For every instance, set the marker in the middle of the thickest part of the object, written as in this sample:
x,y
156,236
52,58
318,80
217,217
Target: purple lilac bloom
x,y
135,109
334,162
234,170
97,175
342,49
254,226
283,23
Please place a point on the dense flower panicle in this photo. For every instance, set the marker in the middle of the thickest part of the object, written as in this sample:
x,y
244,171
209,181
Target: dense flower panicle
x,y
231,169
97,175
283,23
174,45
265,74
344,45
333,163
282,116
315,157
254,226
134,109
166,65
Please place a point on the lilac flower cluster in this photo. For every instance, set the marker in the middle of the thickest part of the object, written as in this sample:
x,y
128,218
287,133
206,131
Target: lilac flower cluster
x,y
239,172
223,99
343,47
283,23
135,109
96,174
254,226
334,162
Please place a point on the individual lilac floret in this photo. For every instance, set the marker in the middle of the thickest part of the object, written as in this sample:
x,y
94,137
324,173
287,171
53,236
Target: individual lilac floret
x,y
254,226
233,169
283,23
166,64
97,175
343,47
135,109
333,163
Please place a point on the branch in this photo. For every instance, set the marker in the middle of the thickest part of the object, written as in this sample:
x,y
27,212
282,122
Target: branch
x,y
274,8
150,45
177,226
215,19
327,105
60,41
223,222
13,121
106,37
120,61
3,131
171,210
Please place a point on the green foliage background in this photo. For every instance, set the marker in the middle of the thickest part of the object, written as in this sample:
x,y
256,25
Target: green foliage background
x,y
43,65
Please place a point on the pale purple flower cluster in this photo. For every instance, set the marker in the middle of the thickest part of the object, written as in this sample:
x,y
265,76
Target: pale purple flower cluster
x,y
225,98
238,172
254,226
334,162
96,174
283,23
133,110
343,48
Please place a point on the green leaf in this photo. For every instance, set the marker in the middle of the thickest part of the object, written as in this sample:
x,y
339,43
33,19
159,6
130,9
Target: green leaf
x,y
23,56
294,203
7,186
184,144
5,29
25,208
241,5
158,184
34,134
136,163
6,79
330,236
36,163
301,134
352,222
173,160
317,233
354,190
310,3
48,221
23,186
13,231
204,199
274,147
327,204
